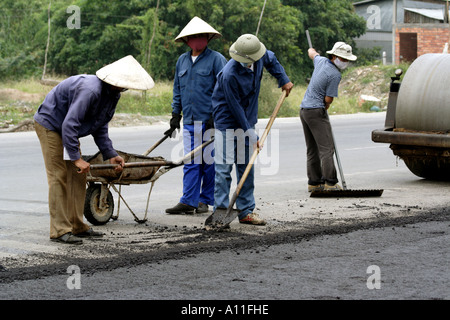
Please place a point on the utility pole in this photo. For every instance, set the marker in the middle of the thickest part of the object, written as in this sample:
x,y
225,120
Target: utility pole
x,y
155,25
448,19
446,12
260,17
48,41
394,29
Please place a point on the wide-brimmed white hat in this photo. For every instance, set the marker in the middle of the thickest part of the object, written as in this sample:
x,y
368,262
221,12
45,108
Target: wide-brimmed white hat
x,y
197,26
343,50
247,49
126,73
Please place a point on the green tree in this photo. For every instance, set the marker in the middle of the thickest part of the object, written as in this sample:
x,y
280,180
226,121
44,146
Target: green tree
x,y
327,22
21,53
111,30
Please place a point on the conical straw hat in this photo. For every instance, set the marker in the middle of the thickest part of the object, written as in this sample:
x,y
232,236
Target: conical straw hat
x,y
126,73
198,26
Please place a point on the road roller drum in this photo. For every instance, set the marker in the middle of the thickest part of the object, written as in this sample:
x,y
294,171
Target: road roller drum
x,y
423,102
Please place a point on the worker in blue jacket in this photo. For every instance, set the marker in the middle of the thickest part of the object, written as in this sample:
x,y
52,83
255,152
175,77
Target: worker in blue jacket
x,y
79,106
195,77
235,105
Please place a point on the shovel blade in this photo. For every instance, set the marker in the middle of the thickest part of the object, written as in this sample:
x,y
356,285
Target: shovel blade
x,y
220,219
347,193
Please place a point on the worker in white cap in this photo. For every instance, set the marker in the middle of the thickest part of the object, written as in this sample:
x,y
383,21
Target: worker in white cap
x,y
79,106
319,95
235,104
195,77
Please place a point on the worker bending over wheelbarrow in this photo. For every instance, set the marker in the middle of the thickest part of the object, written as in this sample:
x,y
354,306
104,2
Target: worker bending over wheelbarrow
x,y
79,106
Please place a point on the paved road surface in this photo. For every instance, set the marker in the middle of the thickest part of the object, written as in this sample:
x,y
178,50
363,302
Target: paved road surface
x,y
310,249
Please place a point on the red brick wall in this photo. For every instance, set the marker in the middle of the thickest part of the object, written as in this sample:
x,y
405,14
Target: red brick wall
x,y
431,38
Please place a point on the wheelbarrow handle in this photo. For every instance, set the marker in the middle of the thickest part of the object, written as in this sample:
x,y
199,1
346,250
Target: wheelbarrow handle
x,y
131,165
155,145
159,163
192,154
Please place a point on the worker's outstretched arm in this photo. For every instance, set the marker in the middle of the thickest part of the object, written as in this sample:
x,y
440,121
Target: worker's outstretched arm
x,y
312,53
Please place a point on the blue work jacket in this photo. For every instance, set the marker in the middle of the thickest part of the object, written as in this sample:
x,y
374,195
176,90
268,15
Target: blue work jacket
x,y
79,106
235,97
194,84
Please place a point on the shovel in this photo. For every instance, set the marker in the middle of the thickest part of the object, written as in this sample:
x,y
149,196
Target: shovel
x,y
221,218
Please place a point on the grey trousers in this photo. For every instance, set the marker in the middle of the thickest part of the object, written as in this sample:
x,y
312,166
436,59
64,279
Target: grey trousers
x,y
319,146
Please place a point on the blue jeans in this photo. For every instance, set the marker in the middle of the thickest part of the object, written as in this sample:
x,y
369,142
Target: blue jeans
x,y
231,149
198,178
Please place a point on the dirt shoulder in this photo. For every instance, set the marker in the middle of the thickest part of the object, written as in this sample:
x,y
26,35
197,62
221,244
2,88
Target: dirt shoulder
x,y
119,120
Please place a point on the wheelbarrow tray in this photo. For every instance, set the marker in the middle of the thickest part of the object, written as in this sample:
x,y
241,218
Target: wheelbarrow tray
x,y
138,169
143,171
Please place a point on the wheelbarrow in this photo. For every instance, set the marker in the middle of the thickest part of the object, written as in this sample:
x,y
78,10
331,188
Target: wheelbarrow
x,y
138,169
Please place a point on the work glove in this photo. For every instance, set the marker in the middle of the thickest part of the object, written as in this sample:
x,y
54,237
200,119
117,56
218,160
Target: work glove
x,y
174,124
210,123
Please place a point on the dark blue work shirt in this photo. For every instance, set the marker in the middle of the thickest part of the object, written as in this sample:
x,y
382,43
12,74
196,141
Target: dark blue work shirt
x,y
235,97
79,106
194,84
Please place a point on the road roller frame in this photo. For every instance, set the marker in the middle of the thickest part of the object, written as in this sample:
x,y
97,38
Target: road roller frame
x,y
425,153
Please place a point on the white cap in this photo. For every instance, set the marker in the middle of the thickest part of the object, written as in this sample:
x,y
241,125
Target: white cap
x,y
343,50
197,26
126,73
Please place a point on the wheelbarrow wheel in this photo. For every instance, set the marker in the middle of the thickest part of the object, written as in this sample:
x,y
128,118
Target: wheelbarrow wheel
x,y
93,211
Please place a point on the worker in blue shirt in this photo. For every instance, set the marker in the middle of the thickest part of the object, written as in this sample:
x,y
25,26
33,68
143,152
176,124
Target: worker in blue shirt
x,y
79,106
195,77
235,105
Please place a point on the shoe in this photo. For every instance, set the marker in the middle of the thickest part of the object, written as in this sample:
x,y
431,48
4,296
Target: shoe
x,y
89,233
334,187
181,208
68,238
253,218
202,208
312,188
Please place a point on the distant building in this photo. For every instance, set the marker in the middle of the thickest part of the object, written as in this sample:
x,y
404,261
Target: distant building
x,y
418,27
